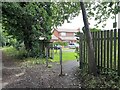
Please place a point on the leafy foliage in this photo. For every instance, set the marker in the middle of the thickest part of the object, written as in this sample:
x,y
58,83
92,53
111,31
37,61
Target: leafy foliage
x,y
101,11
27,21
94,30
101,81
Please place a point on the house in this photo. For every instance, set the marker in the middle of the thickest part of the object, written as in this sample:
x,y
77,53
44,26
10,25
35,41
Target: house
x,y
64,35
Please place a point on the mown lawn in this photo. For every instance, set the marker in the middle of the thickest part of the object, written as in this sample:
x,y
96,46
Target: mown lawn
x,y
65,56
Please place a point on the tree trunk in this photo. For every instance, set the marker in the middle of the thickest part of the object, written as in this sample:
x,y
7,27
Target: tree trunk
x,y
91,59
27,40
27,43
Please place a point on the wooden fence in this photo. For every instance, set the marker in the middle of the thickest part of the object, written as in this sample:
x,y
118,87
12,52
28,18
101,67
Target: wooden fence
x,y
106,49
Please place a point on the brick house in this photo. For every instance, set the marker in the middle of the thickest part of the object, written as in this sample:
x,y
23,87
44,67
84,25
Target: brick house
x,y
64,35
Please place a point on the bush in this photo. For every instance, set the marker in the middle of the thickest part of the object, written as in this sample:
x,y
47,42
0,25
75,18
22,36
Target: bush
x,y
14,53
61,43
10,51
21,54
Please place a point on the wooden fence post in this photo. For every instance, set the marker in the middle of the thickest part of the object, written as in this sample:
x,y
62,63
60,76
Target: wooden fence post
x,y
115,49
119,52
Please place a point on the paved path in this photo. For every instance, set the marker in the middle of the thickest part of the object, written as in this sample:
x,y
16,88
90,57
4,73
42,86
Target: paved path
x,y
41,77
70,65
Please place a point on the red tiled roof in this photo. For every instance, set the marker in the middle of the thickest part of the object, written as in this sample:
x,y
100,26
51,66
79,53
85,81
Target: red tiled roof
x,y
54,37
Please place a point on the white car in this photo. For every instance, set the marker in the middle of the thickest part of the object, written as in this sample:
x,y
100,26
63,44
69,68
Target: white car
x,y
73,45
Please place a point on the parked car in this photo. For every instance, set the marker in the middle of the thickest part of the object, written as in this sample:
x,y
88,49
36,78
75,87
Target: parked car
x,y
57,46
73,45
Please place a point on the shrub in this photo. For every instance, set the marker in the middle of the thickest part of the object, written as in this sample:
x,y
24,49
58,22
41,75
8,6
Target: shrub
x,y
14,53
61,43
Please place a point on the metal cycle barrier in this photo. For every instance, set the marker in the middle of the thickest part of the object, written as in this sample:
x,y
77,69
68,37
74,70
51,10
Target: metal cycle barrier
x,y
60,54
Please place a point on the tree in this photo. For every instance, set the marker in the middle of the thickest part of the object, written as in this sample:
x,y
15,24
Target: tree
x,y
27,21
101,11
91,59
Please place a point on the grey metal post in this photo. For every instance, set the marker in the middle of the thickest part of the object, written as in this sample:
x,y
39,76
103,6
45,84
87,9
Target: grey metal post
x,y
46,56
61,61
52,52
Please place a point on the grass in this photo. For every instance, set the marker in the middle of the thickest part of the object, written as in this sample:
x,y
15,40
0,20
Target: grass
x,y
17,55
32,61
65,56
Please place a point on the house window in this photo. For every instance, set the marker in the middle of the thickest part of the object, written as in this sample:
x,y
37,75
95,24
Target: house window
x,y
63,34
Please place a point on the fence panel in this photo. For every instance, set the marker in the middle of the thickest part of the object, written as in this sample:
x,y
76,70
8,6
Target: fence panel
x,y
106,51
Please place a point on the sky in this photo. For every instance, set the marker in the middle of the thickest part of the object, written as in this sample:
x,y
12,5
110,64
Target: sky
x,y
77,22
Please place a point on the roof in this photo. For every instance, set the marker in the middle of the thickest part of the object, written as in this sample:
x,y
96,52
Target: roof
x,y
54,37
67,30
68,38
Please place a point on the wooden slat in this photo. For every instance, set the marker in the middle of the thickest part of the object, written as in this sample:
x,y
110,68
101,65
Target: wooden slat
x,y
115,49
104,50
111,50
101,49
98,49
119,52
95,47
107,49
84,54
94,41
93,35
87,55
85,51
83,60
